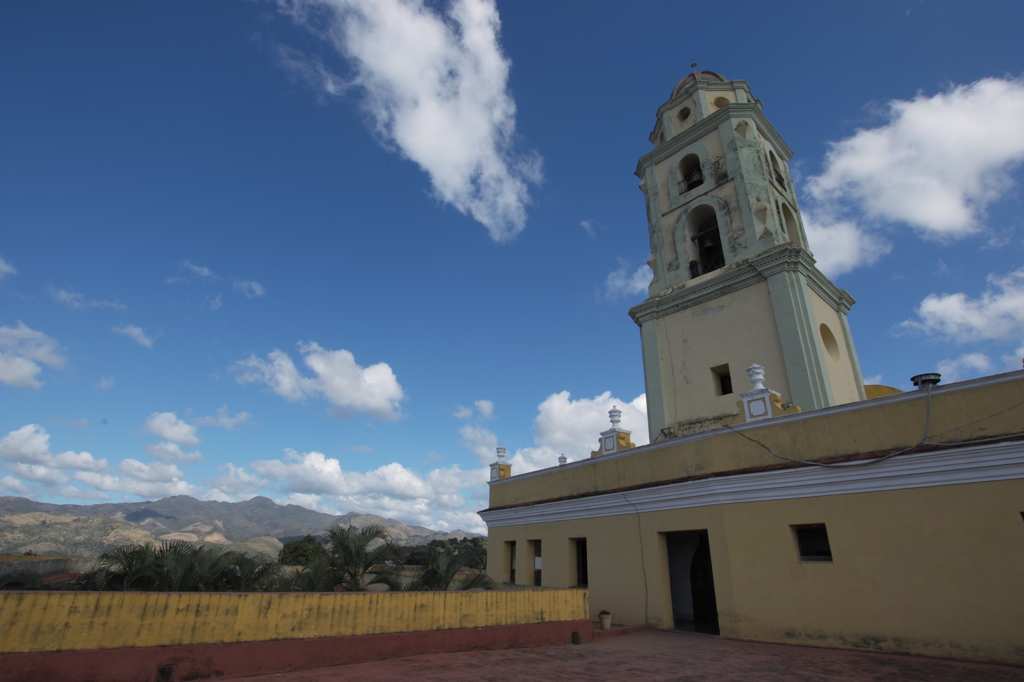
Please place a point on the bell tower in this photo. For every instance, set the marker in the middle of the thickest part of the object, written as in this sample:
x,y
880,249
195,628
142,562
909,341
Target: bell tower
x,y
734,281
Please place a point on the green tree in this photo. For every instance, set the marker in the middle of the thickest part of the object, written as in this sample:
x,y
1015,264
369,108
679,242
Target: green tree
x,y
359,556
441,571
300,552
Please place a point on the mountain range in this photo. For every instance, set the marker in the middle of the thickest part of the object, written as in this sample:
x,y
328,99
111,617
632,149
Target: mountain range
x,y
258,523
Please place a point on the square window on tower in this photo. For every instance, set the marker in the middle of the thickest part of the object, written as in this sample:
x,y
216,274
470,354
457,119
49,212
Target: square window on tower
x,y
722,379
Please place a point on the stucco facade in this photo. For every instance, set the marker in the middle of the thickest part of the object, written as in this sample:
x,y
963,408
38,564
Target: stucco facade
x,y
926,546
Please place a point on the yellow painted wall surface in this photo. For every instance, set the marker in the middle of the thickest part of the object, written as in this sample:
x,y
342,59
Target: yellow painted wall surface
x,y
957,414
62,621
933,571
687,357
840,369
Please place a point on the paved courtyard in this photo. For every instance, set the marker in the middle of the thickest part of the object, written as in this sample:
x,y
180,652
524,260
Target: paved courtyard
x,y
658,655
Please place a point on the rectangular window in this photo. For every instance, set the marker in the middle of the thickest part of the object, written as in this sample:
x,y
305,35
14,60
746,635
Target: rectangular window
x,y
812,541
722,379
578,547
536,562
510,553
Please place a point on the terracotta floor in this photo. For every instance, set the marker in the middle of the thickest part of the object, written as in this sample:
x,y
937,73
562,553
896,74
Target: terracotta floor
x,y
659,655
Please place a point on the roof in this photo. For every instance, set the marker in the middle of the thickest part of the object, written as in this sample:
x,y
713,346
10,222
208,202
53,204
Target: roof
x,y
694,77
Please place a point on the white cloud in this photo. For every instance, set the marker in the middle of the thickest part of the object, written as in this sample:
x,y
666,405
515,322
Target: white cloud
x,y
485,408
142,488
22,351
875,380
966,366
166,451
200,270
563,426
224,419
998,314
250,289
166,425
237,481
840,246
480,441
216,302
360,448
135,334
77,301
155,472
5,270
588,227
27,453
339,380
79,494
621,283
316,481
936,163
11,484
104,384
462,412
436,88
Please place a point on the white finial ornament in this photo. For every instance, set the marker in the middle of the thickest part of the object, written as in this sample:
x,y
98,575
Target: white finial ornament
x,y
562,459
501,453
615,414
756,374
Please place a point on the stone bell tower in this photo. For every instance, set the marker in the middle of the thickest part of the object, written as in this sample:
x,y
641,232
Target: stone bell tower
x,y
734,281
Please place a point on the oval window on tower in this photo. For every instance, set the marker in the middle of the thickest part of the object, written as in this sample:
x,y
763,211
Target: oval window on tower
x,y
683,114
829,339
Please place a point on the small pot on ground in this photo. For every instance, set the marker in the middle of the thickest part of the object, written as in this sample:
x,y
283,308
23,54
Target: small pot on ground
x,y
606,620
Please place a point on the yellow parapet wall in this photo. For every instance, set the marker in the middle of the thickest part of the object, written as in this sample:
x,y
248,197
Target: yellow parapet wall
x,y
75,621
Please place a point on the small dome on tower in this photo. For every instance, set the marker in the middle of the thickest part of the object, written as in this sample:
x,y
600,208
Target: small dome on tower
x,y
694,77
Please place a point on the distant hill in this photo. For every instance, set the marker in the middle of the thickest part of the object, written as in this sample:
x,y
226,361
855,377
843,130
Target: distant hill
x,y
180,517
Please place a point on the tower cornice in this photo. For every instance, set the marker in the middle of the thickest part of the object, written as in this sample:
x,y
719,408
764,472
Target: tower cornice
x,y
758,268
711,123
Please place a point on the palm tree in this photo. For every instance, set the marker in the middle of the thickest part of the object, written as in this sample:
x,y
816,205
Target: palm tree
x,y
443,565
359,556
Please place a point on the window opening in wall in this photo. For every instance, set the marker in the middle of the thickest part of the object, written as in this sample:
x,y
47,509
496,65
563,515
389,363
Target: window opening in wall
x,y
683,114
788,221
722,378
692,582
812,541
511,552
536,562
690,173
721,102
776,171
582,579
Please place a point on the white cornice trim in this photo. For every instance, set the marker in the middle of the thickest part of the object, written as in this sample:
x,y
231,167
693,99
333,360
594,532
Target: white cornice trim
x,y
884,401
973,464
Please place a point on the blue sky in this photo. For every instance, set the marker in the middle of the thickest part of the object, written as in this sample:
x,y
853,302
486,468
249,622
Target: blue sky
x,y
335,251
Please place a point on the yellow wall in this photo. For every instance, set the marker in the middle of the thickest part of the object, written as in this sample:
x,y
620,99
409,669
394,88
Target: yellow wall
x,y
957,414
841,374
62,621
933,571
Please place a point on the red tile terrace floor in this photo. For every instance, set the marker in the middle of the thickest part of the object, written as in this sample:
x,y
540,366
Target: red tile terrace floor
x,y
659,655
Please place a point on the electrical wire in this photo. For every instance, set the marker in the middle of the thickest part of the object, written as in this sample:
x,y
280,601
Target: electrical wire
x,y
923,441
643,562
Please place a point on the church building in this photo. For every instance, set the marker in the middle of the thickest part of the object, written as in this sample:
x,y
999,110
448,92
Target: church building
x,y
780,499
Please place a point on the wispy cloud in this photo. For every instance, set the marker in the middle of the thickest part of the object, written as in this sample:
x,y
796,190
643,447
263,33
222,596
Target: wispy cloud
x,y
135,334
588,227
338,379
250,289
6,269
77,301
200,270
624,282
22,351
435,86
224,419
104,384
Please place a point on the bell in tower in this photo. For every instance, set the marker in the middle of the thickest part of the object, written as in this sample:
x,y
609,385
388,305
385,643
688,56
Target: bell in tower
x,y
734,281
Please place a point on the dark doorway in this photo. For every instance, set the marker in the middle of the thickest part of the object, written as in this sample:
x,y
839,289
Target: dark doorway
x,y
582,579
692,582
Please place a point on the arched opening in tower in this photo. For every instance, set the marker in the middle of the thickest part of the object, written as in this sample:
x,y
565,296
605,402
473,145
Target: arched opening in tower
x,y
702,226
690,173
